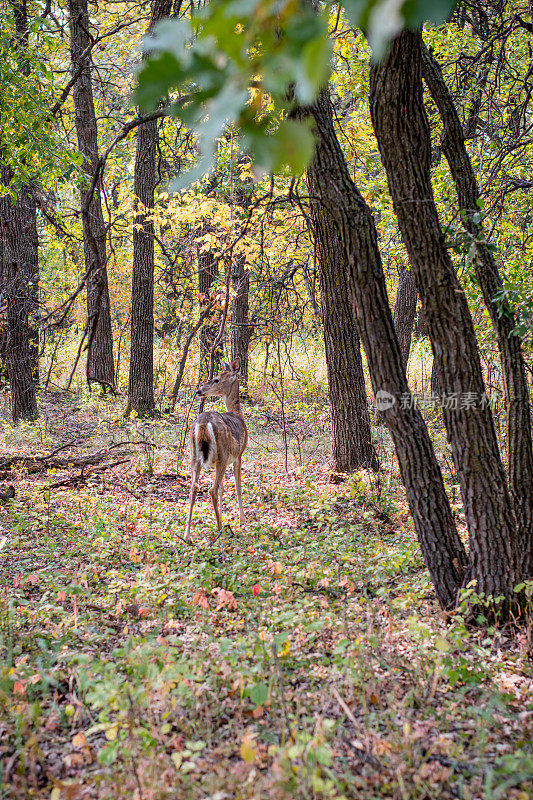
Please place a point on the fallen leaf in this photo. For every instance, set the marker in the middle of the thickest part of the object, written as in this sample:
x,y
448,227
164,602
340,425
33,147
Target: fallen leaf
x,y
248,752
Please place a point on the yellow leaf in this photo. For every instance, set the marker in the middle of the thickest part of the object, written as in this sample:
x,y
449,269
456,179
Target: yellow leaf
x,y
111,733
55,794
79,741
177,758
248,753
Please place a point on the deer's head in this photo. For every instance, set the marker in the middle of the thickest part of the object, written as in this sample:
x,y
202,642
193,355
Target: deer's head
x,y
223,384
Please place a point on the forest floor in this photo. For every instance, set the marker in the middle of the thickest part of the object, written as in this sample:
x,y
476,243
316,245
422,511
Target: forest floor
x,y
302,656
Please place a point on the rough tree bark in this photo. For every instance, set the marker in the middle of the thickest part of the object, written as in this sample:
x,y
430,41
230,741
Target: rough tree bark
x,y
27,201
19,270
29,245
240,328
141,374
402,131
17,305
404,312
351,433
365,285
100,364
486,270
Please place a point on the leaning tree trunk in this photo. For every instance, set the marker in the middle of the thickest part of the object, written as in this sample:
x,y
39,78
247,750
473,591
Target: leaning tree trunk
x,y
402,131
364,282
240,327
351,433
100,364
404,312
486,270
17,304
141,375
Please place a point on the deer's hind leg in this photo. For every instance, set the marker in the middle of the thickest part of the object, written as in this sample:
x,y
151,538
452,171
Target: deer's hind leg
x,y
216,493
195,474
238,489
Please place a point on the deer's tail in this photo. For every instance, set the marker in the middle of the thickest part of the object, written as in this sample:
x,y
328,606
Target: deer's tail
x,y
205,443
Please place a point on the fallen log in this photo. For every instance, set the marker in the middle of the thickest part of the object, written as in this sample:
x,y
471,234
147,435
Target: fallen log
x,y
83,476
35,464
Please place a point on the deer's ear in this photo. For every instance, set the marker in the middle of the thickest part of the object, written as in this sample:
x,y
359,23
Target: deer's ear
x,y
236,365
226,367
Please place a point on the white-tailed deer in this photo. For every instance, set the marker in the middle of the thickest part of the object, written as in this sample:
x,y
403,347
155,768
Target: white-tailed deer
x,y
218,440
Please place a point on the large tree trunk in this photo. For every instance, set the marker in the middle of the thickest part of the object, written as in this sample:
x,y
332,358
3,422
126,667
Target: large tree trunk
x,y
351,433
141,375
19,271
404,313
27,201
364,282
402,131
16,301
30,262
100,364
240,327
513,367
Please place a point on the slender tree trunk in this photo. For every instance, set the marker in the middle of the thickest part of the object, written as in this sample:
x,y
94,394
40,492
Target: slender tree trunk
x,y
404,313
16,301
420,327
364,283
309,283
513,367
141,375
207,275
351,433
402,131
436,388
100,364
240,327
188,341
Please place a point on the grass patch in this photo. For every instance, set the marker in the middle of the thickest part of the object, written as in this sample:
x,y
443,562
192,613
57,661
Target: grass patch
x,y
303,656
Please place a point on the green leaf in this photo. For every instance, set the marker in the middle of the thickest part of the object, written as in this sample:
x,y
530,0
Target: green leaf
x,y
221,109
358,12
416,12
156,77
323,755
171,36
108,754
291,146
313,69
258,693
382,20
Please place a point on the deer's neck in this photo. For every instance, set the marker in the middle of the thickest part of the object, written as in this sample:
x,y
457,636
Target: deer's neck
x,y
232,400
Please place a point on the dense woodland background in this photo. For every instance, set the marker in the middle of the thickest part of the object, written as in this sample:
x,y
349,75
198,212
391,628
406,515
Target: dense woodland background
x,y
368,632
